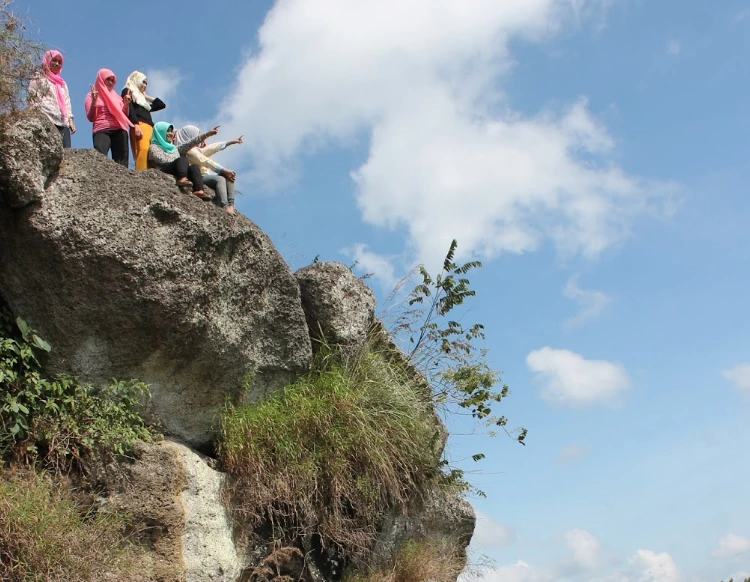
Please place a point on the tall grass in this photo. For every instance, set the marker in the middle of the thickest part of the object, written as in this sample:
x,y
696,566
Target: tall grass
x,y
332,452
45,536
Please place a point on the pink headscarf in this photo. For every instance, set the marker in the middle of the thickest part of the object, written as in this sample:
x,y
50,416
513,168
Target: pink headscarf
x,y
55,79
110,97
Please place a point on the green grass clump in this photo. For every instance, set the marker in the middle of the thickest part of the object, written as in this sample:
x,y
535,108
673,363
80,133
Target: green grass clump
x,y
332,452
45,536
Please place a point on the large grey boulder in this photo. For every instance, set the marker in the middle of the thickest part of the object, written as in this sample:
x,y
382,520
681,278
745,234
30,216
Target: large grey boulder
x,y
29,157
337,305
128,277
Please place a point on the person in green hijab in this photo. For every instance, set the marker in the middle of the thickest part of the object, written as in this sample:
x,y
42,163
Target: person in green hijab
x,y
171,159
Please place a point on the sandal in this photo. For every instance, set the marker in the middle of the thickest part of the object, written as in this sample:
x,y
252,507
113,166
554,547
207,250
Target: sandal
x,y
202,195
184,182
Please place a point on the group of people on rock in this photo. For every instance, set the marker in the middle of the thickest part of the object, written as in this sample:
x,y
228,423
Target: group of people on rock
x,y
125,117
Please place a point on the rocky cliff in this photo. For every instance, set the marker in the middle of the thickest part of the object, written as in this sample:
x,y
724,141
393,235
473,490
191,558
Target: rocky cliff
x,y
128,277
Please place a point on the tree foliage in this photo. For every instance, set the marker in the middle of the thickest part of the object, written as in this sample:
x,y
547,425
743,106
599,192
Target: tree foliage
x,y
446,350
19,57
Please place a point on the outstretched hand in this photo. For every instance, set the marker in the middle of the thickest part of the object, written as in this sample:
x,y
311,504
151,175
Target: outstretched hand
x,y
230,175
236,141
213,131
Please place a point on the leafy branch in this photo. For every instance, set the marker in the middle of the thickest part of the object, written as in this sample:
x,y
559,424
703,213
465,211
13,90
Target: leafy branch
x,y
446,350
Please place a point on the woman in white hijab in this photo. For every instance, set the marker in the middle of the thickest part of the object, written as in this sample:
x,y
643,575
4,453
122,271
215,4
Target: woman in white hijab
x,y
215,175
142,106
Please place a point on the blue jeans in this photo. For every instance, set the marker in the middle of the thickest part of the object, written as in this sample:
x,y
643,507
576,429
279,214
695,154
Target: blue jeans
x,y
224,189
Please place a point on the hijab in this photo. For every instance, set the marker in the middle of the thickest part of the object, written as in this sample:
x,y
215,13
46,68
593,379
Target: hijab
x,y
185,134
159,137
111,99
134,85
55,79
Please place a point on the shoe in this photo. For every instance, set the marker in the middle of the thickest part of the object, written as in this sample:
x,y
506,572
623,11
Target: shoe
x,y
184,182
202,195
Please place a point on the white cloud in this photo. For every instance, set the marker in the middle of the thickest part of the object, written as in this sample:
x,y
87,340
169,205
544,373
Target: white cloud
x,y
590,302
490,534
163,83
568,378
521,571
368,262
655,567
674,47
587,563
448,157
571,453
740,377
585,548
731,545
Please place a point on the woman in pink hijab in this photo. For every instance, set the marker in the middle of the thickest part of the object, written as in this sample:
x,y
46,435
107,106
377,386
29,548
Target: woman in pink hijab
x,y
49,93
109,114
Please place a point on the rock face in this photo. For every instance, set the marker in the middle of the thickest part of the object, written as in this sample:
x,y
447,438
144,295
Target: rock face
x,y
128,277
174,500
336,303
30,156
445,518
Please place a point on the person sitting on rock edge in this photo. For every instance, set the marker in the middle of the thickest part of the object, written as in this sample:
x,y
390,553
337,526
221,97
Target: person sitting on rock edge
x,y
49,92
142,106
216,176
109,114
169,158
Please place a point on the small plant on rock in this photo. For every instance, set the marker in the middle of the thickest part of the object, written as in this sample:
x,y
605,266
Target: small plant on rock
x,y
60,422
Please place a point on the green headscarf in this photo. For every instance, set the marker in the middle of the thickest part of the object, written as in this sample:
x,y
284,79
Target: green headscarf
x,y
159,137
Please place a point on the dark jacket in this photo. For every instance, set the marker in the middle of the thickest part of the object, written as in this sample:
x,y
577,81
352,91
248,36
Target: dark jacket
x,y
138,113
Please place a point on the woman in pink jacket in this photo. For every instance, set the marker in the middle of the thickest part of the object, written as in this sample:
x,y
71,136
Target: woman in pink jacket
x,y
109,114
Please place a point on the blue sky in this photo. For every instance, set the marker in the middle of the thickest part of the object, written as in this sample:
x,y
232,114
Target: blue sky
x,y
592,153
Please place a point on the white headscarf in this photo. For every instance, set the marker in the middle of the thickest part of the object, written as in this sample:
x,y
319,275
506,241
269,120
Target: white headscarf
x,y
185,134
134,84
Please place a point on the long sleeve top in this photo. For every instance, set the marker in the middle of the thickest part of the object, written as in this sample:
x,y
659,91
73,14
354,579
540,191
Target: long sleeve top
x,y
202,157
138,113
157,157
42,95
99,114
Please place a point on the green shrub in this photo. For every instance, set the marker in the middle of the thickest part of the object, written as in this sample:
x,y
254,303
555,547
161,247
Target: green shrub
x,y
332,452
44,535
60,421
